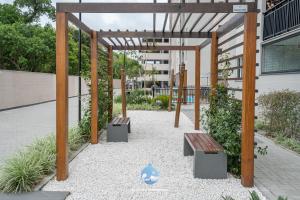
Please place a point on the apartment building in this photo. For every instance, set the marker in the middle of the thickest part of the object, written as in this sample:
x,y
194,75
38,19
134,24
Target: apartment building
x,y
155,65
278,56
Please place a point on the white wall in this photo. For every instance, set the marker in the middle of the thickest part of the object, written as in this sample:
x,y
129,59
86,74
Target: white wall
x,y
19,88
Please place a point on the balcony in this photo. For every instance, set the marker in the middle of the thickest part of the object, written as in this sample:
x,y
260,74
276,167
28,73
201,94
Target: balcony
x,y
282,18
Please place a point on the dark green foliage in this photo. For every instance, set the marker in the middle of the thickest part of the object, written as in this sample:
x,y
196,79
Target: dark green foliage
x,y
223,121
162,101
137,97
281,113
33,10
10,14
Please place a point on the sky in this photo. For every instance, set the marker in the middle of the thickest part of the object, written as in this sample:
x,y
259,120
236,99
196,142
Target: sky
x,y
113,21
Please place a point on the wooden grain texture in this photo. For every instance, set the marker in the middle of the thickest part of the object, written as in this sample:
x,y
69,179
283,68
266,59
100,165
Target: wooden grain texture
x,y
123,92
110,82
94,88
203,142
248,99
197,88
214,62
179,98
185,87
171,90
61,96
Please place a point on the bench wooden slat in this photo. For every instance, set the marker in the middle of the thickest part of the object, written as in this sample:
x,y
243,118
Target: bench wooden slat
x,y
117,121
203,142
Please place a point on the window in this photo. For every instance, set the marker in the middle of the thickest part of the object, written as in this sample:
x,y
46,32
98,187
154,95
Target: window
x,y
282,56
165,62
239,72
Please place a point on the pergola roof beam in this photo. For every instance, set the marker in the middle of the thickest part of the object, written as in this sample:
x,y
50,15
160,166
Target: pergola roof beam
x,y
152,8
196,22
143,34
132,41
175,23
218,22
208,22
72,18
154,19
186,21
165,22
112,41
140,42
183,48
126,43
119,41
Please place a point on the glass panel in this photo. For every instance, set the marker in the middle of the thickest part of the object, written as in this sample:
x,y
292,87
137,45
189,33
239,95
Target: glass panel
x,y
283,56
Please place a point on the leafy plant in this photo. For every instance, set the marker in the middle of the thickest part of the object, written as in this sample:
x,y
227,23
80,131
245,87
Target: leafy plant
x,y
162,101
253,196
281,113
223,121
24,170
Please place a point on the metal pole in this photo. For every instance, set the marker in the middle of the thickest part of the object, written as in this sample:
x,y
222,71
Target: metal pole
x,y
79,71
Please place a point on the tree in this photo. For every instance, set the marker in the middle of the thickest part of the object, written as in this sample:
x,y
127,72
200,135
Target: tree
x,y
33,10
10,14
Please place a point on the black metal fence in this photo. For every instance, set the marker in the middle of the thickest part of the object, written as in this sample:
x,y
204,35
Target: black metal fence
x,y
282,18
189,93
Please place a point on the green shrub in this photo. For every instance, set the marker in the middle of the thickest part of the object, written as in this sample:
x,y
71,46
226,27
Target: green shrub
x,y
223,121
137,97
281,113
144,106
118,99
162,101
24,170
289,143
117,109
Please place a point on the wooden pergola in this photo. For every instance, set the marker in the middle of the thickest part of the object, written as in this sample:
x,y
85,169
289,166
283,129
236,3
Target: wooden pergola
x,y
246,14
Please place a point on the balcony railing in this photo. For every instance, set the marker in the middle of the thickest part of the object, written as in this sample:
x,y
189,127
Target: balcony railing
x,y
282,18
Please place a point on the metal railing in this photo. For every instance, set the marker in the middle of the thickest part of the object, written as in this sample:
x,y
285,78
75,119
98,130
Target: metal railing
x,y
189,94
282,18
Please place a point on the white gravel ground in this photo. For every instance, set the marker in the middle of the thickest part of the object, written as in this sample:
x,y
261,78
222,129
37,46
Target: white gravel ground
x,y
112,170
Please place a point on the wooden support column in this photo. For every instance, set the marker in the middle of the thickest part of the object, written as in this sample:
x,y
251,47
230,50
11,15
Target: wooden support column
x,y
185,87
179,98
171,90
248,99
123,92
197,88
61,96
214,62
94,88
110,82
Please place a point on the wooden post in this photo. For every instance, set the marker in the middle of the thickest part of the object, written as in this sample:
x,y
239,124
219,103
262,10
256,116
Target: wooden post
x,y
197,88
171,91
185,87
94,89
123,92
61,96
214,62
110,82
248,99
179,98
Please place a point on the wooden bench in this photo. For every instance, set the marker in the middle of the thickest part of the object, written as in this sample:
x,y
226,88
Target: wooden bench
x,y
118,130
210,161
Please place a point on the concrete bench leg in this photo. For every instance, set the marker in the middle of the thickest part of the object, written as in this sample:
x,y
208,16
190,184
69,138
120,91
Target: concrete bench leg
x,y
210,166
187,149
129,128
117,133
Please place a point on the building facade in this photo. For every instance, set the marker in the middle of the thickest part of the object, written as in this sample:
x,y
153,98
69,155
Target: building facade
x,y
155,65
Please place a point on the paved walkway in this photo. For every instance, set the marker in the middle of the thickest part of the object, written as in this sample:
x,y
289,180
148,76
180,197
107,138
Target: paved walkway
x,y
277,173
20,127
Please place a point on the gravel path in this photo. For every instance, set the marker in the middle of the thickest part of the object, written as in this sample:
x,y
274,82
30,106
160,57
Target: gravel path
x,y
112,170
